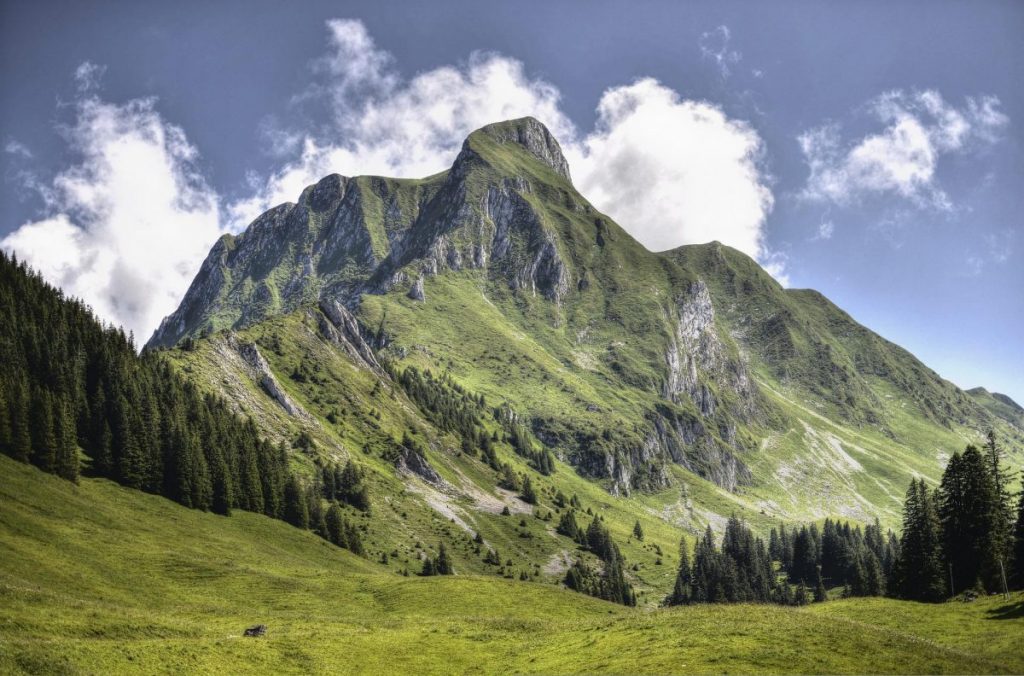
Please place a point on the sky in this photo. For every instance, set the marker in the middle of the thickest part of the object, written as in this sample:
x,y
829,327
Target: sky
x,y
872,151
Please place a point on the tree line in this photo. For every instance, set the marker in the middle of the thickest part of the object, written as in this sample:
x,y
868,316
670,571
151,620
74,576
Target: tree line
x,y
963,535
70,382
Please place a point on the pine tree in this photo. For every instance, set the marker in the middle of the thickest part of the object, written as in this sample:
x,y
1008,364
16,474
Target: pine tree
x,y
919,569
443,565
44,442
638,532
1018,558
335,526
967,513
21,436
296,511
682,592
66,465
1002,508
529,495
820,595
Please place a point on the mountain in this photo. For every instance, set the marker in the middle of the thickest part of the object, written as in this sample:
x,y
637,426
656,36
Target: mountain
x,y
624,362
477,375
999,405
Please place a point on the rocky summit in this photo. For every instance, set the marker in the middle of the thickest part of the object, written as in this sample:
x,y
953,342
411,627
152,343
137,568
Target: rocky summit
x,y
683,370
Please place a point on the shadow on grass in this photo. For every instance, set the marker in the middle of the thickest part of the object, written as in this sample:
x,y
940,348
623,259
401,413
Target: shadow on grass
x,y
1011,611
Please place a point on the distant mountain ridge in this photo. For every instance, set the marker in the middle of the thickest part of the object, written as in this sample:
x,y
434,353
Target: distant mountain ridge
x,y
624,362
999,405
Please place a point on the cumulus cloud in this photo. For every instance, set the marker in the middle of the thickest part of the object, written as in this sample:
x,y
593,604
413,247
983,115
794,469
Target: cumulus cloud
x,y
382,124
670,171
902,159
128,223
673,171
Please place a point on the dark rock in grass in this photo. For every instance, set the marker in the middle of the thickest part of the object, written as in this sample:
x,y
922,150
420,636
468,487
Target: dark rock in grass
x,y
257,630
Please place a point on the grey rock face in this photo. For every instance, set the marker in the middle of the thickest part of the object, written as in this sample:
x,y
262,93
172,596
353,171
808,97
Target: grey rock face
x,y
342,329
414,463
251,354
689,443
697,356
534,265
416,292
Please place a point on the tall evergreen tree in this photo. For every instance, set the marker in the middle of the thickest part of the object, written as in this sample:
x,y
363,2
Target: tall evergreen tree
x,y
682,591
66,461
967,507
1018,557
296,509
1002,509
919,569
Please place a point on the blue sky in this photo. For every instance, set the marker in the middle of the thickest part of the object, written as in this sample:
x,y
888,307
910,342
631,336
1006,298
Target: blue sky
x,y
870,150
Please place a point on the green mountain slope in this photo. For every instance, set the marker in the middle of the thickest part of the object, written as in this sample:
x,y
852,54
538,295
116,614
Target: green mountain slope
x,y
689,379
97,578
999,405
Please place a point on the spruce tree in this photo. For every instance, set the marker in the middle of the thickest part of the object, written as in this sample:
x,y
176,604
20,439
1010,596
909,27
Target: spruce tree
x,y
801,598
443,566
21,435
1002,509
967,512
682,592
335,525
820,594
919,569
529,495
44,442
66,465
638,532
296,511
1018,558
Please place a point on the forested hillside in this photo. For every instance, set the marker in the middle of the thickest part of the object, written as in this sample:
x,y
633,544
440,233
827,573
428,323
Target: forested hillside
x,y
75,397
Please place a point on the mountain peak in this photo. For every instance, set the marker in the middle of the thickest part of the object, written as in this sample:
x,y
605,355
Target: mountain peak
x,y
531,134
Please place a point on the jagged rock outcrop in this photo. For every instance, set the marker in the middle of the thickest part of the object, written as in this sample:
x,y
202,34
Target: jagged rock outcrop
x,y
698,357
342,329
409,460
265,377
690,443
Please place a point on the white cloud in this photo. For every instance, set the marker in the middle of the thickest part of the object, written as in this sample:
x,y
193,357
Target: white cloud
x,y
775,263
902,159
673,171
18,149
714,46
88,76
130,222
394,127
825,230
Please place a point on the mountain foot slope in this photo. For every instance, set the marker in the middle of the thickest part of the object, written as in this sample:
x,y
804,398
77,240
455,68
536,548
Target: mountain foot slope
x,y
99,578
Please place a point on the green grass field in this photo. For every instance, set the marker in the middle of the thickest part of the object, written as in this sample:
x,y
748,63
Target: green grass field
x,y
96,578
